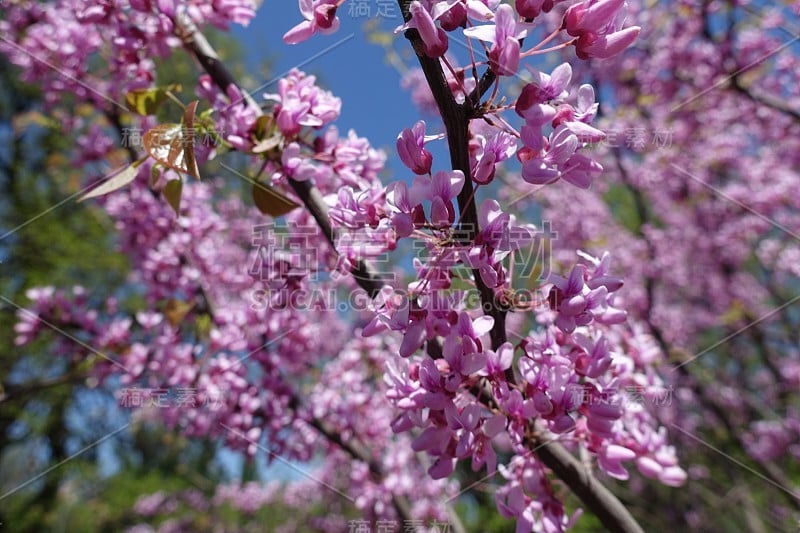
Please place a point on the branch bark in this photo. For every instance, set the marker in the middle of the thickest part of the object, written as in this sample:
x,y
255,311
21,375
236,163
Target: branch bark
x,y
591,492
456,121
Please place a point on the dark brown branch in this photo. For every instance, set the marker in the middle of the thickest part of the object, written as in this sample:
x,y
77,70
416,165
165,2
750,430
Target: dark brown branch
x,y
763,98
727,51
196,43
456,122
359,453
486,81
14,393
312,199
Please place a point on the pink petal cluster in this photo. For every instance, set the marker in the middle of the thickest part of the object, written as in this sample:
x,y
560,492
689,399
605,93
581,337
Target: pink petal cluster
x,y
320,17
548,159
300,102
505,35
598,26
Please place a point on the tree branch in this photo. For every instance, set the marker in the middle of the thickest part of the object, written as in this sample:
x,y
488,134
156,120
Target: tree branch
x,y
456,122
591,492
359,453
199,47
598,499
763,98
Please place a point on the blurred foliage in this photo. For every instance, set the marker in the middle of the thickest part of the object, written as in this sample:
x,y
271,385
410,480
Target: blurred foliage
x,y
47,239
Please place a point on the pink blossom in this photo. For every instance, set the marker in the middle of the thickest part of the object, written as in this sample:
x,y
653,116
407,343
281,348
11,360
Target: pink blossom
x,y
598,26
433,38
444,187
300,102
504,35
411,149
487,151
320,17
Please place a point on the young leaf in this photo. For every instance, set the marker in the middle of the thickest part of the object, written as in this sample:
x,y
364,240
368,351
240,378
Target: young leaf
x,y
176,311
188,139
146,101
271,202
264,127
115,181
165,143
172,145
155,174
268,144
172,192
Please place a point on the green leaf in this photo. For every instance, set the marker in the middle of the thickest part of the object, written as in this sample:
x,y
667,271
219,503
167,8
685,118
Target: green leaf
x,y
203,326
264,127
268,138
460,284
622,204
172,192
155,173
115,181
147,101
271,202
267,146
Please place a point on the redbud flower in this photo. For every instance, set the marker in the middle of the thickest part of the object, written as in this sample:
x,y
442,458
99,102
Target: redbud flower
x,y
320,17
487,152
406,205
533,103
598,26
605,46
529,9
434,39
454,16
505,34
590,17
411,149
300,102
444,187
